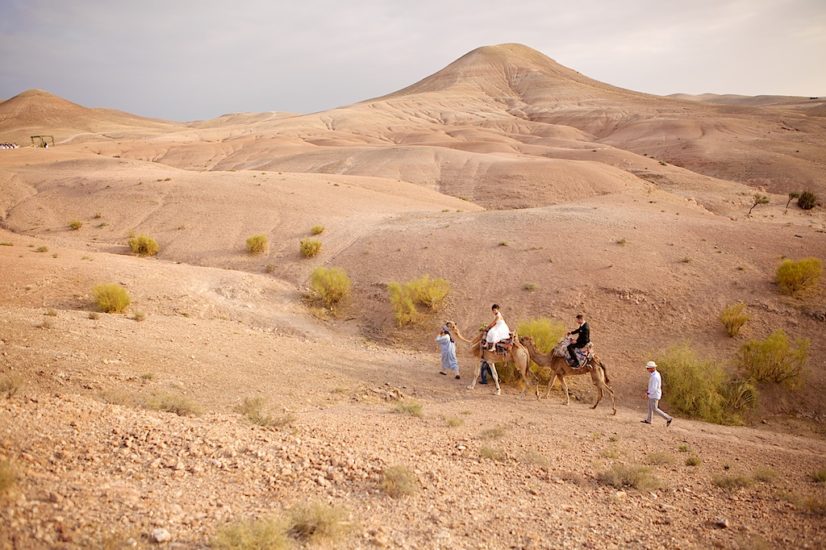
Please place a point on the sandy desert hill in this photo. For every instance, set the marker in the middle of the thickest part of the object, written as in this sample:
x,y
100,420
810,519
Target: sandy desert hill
x,y
518,180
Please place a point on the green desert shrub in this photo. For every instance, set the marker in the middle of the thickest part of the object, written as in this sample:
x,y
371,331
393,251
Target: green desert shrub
x,y
111,298
310,247
266,533
409,407
621,476
731,482
330,285
545,332
257,244
799,276
317,229
774,359
409,299
700,389
692,461
74,225
807,200
143,245
733,318
399,481
317,522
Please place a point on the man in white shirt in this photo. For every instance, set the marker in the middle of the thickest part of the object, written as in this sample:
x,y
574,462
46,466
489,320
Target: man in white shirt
x,y
654,394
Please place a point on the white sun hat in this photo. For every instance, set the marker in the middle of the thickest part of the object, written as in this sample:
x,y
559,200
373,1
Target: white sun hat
x,y
651,365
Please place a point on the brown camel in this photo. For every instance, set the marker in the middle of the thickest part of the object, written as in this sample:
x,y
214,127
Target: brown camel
x,y
555,360
517,355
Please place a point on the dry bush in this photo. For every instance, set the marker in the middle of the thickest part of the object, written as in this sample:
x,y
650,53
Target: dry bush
x,y
114,396
764,475
409,406
143,245
492,433
74,225
659,459
774,359
409,298
798,277
8,478
692,461
147,376
6,243
683,448
257,244
453,421
492,454
399,481
139,316
818,476
178,404
610,452
317,522
94,315
694,385
317,230
330,285
807,200
254,409
111,298
42,249
535,458
530,287
9,385
51,313
310,247
269,268
733,318
545,332
731,482
265,533
622,476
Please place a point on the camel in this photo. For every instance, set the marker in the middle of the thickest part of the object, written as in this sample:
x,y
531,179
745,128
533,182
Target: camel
x,y
518,355
555,360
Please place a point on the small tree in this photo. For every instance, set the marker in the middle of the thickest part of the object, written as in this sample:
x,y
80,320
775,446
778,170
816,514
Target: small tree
x,y
792,195
807,200
774,359
758,199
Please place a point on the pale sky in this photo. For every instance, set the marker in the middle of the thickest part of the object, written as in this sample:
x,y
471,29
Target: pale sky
x,y
189,59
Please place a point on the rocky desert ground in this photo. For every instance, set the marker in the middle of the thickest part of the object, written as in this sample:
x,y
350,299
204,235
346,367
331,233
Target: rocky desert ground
x,y
224,396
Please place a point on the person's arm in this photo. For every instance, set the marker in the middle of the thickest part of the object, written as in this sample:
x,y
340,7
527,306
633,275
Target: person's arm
x,y
575,331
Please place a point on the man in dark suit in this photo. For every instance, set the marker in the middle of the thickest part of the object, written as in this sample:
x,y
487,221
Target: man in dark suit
x,y
583,338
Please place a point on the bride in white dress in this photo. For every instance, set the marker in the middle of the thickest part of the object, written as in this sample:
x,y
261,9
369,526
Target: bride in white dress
x,y
498,329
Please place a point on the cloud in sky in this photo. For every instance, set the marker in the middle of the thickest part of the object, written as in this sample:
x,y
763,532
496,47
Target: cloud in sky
x,y
198,59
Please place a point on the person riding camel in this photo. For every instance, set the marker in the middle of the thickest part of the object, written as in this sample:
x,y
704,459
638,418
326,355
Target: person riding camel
x,y
497,330
583,333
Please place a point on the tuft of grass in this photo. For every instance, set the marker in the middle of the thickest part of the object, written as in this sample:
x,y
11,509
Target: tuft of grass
x,y
764,475
692,460
399,481
74,225
454,422
8,478
139,316
732,482
659,459
46,324
733,318
94,315
317,230
492,454
6,243
51,312
317,522
622,476
535,458
269,268
683,448
503,243
530,287
818,476
621,242
774,359
114,396
310,247
799,277
610,452
685,260
409,406
268,533
111,298
331,286
41,249
253,409
9,385
148,376
177,404
143,245
492,433
257,244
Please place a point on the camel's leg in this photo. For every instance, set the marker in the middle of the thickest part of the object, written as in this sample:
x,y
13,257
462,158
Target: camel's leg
x,y
599,395
550,385
475,376
565,387
495,378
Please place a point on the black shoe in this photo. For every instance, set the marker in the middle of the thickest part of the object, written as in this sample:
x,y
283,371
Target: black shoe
x,y
667,424
645,421
483,381
442,372
458,377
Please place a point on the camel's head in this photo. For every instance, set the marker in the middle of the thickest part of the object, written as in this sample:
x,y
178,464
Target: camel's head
x,y
527,340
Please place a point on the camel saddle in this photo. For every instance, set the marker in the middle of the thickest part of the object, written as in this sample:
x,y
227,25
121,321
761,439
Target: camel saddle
x,y
504,346
583,355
